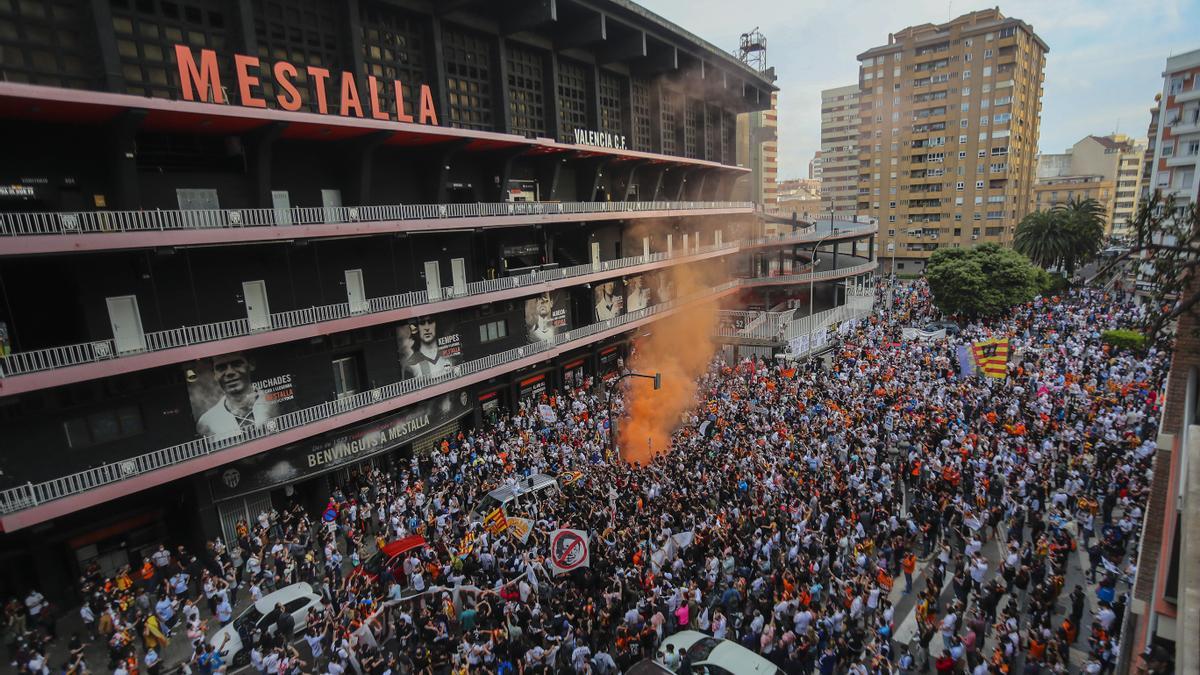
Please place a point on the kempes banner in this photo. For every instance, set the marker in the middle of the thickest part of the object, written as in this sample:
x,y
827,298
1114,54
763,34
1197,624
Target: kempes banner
x,y
232,393
546,316
297,462
569,551
429,346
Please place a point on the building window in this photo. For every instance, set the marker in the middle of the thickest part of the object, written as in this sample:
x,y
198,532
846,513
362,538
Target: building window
x,y
960,185
670,115
49,44
642,129
693,127
611,86
394,49
572,97
146,32
468,79
103,426
526,91
493,330
345,376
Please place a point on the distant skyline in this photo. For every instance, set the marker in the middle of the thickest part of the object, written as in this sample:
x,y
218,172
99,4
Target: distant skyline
x,y
1103,70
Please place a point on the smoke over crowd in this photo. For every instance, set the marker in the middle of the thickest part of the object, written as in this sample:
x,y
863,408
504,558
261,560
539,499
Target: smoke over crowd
x,y
680,347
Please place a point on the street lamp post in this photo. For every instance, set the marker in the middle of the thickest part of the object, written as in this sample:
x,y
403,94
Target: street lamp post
x,y
612,421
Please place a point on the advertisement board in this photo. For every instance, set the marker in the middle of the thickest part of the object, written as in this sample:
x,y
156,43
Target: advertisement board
x,y
232,393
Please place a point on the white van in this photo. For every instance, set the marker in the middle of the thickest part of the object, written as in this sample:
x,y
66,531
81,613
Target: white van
x,y
526,488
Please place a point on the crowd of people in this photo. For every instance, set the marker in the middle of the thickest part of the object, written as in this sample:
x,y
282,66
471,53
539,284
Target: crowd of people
x,y
798,508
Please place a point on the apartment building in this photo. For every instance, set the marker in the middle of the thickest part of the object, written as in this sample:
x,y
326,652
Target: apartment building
x,y
949,119
1166,594
248,246
1105,168
758,150
839,150
814,166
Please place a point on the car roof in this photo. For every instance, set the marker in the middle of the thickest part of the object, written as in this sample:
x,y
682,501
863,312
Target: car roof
x,y
268,601
402,545
729,655
534,483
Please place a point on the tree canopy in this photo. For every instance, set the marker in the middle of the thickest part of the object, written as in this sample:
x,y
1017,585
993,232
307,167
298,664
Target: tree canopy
x,y
1066,236
983,281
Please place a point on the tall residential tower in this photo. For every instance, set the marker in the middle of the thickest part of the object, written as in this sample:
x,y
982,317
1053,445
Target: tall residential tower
x,y
948,136
839,149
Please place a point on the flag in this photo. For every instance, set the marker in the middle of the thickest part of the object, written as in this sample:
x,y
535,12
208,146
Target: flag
x,y
495,522
966,363
991,356
519,528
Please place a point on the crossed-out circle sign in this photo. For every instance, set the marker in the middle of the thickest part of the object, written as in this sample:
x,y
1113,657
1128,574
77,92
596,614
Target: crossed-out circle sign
x,y
568,550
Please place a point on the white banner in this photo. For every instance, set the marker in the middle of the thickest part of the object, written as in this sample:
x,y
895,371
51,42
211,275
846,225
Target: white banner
x,y
918,334
547,414
818,338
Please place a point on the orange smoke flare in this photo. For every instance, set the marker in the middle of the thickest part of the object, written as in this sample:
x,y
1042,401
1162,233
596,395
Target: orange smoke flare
x,y
680,347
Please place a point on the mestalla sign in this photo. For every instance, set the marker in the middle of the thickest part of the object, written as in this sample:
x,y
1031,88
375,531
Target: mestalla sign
x,y
200,80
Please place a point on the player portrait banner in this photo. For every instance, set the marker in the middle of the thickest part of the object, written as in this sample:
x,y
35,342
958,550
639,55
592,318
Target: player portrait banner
x,y
991,356
429,346
662,286
519,528
608,298
546,315
236,392
569,551
637,294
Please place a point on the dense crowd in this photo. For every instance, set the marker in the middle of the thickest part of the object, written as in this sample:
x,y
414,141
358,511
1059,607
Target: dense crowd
x,y
790,502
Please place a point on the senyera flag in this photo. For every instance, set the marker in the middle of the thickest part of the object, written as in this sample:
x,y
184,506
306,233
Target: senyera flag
x,y
991,356
495,522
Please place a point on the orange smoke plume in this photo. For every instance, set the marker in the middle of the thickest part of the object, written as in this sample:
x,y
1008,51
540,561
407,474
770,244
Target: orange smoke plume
x,y
680,347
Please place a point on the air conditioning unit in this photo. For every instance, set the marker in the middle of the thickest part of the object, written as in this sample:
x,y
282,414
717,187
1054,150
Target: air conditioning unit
x,y
974,236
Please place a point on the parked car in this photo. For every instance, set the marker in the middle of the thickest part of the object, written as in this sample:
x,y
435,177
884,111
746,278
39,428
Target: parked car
x,y
231,640
708,655
950,327
389,560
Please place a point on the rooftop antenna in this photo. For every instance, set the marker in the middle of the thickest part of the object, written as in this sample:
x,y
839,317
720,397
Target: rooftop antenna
x,y
752,50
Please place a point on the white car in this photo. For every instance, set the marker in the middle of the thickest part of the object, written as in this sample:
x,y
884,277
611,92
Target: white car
x,y
709,656
296,599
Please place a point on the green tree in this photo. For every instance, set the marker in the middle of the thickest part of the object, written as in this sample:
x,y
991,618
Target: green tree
x,y
983,281
1041,237
1065,237
1163,262
1083,221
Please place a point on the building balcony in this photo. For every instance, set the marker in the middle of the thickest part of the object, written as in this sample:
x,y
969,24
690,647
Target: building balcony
x,y
1192,94
33,233
1183,160
55,366
32,503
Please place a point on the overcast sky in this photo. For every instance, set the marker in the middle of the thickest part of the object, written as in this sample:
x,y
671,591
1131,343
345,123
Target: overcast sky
x,y
1104,67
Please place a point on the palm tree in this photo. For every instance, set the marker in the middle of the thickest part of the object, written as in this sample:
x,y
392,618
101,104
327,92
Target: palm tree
x,y
1083,220
1042,238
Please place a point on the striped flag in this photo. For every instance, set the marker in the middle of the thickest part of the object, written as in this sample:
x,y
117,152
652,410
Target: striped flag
x,y
495,522
991,356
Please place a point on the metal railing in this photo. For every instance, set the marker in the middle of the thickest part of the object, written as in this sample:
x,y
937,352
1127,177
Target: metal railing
x,y
32,494
99,222
24,363
779,327
806,277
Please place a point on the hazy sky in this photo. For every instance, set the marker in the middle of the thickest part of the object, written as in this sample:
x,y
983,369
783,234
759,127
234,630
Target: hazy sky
x,y
1104,67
